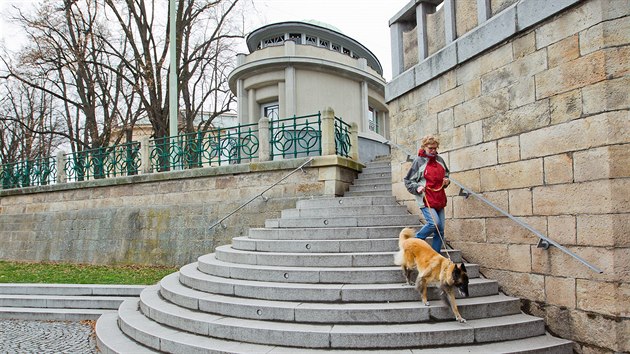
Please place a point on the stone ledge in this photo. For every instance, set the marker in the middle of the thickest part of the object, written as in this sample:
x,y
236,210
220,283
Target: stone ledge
x,y
510,22
288,164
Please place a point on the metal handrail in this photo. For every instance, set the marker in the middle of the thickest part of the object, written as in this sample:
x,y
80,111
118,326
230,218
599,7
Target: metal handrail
x,y
544,241
260,194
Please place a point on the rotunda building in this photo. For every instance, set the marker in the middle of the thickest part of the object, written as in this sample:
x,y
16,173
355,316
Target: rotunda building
x,y
299,68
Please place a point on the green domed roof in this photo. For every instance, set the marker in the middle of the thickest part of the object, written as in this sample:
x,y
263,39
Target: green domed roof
x,y
323,24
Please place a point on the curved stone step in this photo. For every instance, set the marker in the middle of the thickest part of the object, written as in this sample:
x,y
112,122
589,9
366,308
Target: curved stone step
x,y
386,192
341,211
302,312
135,325
377,168
192,277
367,336
330,233
372,180
111,340
246,243
173,341
330,202
349,221
308,312
373,187
289,274
227,253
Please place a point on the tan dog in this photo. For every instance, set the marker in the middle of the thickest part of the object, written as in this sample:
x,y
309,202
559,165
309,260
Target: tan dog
x,y
433,268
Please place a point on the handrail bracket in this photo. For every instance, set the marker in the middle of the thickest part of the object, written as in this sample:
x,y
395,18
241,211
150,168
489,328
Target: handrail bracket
x,y
544,244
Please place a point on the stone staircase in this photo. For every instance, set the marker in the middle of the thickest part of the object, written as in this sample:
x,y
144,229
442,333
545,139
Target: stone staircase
x,y
321,278
63,302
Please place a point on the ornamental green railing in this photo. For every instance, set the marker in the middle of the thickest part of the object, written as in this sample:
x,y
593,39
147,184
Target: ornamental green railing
x,y
35,172
103,162
296,137
216,147
288,138
342,138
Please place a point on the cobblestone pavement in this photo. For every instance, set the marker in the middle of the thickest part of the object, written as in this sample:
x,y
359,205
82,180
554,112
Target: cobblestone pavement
x,y
26,337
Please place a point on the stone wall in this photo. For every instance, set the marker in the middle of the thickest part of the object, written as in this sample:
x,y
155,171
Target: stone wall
x,y
160,218
539,124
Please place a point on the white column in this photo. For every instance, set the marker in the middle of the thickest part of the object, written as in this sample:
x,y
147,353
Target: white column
x,y
421,28
397,50
253,114
365,107
483,11
241,102
289,86
450,29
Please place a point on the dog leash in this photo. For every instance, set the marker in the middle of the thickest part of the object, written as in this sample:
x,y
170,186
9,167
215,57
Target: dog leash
x,y
426,200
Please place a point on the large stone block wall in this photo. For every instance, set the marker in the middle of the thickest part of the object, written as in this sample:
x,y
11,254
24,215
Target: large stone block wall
x,y
540,126
161,218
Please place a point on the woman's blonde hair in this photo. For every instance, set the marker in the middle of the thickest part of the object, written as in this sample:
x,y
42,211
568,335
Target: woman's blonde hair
x,y
430,139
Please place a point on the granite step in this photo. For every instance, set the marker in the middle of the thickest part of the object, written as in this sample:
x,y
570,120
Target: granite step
x,y
71,289
246,243
332,233
192,277
373,169
57,301
314,259
326,336
51,314
328,202
374,187
111,340
62,302
340,211
349,221
368,193
372,180
209,264
178,341
171,289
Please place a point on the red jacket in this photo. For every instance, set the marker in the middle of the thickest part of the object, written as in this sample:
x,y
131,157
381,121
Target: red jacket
x,y
428,172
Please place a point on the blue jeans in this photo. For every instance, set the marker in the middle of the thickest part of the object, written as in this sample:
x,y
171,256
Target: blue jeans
x,y
430,228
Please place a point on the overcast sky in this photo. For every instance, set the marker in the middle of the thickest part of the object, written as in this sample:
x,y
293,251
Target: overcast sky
x,y
367,21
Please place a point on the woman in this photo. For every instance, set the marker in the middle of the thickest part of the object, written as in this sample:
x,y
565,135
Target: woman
x,y
426,180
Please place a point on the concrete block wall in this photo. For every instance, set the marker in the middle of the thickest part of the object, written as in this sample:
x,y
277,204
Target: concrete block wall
x,y
160,218
539,124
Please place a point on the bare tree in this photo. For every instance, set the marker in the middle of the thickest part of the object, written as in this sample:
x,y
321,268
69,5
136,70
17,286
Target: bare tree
x,y
104,63
27,122
64,58
205,33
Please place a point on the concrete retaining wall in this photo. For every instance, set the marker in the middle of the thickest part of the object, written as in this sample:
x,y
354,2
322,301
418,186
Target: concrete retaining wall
x,y
160,218
539,123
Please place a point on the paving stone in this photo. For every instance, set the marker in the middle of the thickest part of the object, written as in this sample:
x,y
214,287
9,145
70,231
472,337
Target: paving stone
x,y
23,336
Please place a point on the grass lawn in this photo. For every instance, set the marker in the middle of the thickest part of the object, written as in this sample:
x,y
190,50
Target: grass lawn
x,y
66,273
